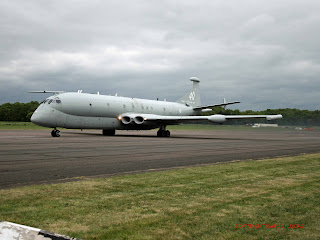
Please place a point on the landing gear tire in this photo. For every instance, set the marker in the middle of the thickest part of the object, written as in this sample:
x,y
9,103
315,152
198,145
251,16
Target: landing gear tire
x,y
167,133
163,133
108,132
55,133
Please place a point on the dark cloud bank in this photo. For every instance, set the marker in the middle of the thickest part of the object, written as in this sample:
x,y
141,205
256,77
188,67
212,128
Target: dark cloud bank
x,y
262,53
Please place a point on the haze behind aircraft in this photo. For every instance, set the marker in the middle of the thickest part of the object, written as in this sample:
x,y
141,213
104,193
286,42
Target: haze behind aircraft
x,y
77,110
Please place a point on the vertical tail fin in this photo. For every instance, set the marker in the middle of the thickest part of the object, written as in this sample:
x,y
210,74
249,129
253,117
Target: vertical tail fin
x,y
192,99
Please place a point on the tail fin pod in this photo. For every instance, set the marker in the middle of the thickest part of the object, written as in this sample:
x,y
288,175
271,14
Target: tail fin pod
x,y
192,99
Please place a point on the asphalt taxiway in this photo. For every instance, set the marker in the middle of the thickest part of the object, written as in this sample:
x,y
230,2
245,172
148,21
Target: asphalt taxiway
x,y
34,157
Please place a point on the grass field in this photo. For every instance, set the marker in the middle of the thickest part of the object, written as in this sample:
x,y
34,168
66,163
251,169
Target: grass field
x,y
19,126
192,203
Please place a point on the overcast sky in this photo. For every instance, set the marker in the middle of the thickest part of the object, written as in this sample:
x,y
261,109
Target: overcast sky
x,y
264,53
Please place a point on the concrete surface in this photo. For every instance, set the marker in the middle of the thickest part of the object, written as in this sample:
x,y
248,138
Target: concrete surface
x,y
13,231
34,157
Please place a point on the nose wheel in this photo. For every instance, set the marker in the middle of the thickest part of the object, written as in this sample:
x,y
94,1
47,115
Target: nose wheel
x,y
55,133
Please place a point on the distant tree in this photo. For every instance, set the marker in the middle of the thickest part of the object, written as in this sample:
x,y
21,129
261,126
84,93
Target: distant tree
x,y
19,112
291,116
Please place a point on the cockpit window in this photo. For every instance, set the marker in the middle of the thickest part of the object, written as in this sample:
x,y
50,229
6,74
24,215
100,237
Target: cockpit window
x,y
56,100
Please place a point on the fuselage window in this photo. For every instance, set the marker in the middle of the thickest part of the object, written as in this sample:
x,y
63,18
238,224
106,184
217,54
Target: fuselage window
x,y
164,109
132,105
108,104
147,108
142,107
124,106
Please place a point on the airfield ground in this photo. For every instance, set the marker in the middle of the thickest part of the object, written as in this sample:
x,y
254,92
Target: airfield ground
x,y
207,202
265,199
33,156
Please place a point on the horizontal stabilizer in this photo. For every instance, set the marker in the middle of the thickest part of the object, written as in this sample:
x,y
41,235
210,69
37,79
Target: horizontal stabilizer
x,y
215,105
55,92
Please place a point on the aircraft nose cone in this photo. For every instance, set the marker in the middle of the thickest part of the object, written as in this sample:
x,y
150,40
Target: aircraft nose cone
x,y
36,118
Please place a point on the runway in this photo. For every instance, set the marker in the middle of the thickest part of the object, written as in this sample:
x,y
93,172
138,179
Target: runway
x,y
33,157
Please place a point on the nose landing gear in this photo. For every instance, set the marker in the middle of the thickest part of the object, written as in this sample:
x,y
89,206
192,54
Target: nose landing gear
x,y
55,133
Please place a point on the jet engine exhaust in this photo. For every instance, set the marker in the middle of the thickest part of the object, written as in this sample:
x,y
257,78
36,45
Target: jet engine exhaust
x,y
126,120
138,120
132,120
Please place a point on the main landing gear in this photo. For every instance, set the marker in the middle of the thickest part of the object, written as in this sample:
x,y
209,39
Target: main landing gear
x,y
109,132
162,132
55,133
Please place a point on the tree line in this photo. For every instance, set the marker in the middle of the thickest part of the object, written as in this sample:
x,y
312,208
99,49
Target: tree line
x,y
21,112
17,112
291,116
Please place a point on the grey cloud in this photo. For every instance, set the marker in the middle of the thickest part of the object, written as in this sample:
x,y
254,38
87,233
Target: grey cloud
x,y
263,53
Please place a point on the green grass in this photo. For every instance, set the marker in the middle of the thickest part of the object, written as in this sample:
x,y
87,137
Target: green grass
x,y
192,203
19,126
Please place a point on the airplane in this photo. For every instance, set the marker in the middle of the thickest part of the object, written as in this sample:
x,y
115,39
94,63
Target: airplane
x,y
77,110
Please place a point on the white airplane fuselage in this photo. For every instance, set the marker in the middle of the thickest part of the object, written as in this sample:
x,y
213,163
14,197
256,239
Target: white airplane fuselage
x,y
109,113
93,111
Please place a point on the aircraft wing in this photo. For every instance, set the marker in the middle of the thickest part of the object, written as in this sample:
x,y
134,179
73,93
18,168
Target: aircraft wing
x,y
268,117
174,119
215,105
212,118
217,118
